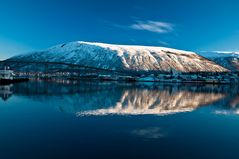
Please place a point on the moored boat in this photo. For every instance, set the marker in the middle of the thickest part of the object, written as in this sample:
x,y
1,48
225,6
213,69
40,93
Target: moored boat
x,y
7,76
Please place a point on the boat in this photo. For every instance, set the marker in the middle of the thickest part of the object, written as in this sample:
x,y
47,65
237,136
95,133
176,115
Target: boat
x,y
7,76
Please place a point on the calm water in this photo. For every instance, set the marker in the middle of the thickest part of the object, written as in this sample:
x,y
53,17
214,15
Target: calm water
x,y
116,120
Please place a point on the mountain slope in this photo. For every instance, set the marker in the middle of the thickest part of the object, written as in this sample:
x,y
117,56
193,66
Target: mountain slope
x,y
123,57
229,60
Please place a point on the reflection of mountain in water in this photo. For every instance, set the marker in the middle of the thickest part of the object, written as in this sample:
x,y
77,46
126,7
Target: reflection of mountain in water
x,y
135,102
229,104
92,98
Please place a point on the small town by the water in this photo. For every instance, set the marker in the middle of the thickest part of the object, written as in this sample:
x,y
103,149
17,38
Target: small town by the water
x,y
9,75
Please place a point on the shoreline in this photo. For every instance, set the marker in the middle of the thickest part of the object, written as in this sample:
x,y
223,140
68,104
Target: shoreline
x,y
136,81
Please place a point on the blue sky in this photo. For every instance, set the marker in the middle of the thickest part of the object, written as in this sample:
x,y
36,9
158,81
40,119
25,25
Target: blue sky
x,y
205,25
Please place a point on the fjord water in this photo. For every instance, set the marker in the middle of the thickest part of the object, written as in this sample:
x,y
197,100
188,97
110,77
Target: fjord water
x,y
62,119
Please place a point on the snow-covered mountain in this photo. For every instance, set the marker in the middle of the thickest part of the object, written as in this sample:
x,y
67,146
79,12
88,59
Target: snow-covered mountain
x,y
229,60
123,57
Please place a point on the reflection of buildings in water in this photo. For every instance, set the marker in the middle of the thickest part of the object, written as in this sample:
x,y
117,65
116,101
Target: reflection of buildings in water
x,y
136,102
6,91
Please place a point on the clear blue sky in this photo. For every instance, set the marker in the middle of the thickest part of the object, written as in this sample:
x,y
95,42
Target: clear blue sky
x,y
197,25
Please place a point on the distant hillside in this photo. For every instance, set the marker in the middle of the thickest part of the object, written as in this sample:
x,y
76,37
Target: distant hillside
x,y
229,60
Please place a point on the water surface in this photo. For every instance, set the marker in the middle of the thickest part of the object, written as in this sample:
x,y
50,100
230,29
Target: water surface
x,y
62,119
